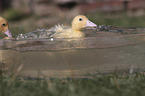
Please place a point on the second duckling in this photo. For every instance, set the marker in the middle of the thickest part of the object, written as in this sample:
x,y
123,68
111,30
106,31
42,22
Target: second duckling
x,y
4,29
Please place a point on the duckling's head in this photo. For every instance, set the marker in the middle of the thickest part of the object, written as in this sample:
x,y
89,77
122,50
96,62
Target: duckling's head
x,y
4,27
80,22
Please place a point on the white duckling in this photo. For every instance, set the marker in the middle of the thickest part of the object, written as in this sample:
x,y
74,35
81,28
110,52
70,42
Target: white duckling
x,y
79,23
4,29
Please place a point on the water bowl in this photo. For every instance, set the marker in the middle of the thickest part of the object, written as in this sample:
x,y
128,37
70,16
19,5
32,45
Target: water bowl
x,y
114,50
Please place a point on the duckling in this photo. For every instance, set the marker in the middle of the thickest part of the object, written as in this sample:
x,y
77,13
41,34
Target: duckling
x,y
4,29
79,23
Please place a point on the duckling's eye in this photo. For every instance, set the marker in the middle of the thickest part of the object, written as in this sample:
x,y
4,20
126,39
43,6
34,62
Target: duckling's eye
x,y
80,19
3,24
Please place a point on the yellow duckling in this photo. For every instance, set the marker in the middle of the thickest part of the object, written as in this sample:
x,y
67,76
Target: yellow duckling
x,y
79,23
4,29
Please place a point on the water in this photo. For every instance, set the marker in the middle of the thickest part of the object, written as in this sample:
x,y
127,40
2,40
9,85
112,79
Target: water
x,y
109,30
107,52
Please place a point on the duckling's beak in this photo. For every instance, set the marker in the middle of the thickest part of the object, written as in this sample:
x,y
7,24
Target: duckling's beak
x,y
8,33
90,25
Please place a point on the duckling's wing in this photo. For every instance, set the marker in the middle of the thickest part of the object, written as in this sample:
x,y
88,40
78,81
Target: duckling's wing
x,y
60,31
58,28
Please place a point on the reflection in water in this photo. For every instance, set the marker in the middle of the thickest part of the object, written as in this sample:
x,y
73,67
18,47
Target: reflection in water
x,y
77,62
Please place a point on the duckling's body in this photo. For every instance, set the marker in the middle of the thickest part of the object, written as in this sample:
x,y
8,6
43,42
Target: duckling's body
x,y
68,33
4,29
79,23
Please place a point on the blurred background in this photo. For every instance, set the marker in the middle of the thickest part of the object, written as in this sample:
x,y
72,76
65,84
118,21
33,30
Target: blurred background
x,y
28,15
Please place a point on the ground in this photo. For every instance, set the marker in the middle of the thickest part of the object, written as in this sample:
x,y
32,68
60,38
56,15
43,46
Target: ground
x,y
110,85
